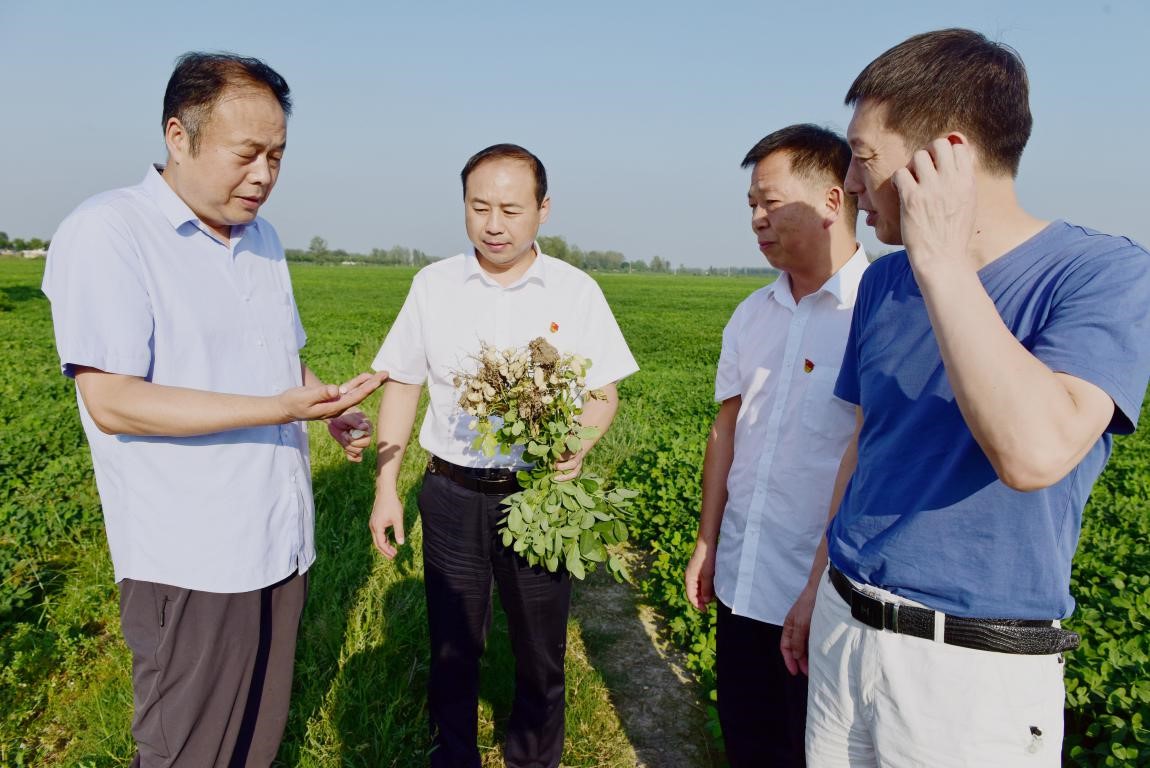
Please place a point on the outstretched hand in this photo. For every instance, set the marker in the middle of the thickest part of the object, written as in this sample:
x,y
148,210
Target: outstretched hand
x,y
326,401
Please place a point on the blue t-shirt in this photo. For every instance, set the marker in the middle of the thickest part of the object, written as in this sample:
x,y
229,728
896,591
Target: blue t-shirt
x,y
924,515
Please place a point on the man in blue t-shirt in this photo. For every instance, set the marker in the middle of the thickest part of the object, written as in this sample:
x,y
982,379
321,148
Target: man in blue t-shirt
x,y
990,361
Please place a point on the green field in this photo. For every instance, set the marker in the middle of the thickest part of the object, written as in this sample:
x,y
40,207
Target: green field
x,y
65,696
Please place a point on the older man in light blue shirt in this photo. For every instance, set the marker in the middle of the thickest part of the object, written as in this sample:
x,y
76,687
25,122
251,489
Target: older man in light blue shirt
x,y
173,310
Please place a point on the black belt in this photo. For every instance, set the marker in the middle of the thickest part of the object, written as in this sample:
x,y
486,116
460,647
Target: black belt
x,y
478,479
1023,636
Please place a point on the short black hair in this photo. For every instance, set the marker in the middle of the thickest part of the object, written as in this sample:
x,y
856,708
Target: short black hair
x,y
816,153
953,79
199,80
508,152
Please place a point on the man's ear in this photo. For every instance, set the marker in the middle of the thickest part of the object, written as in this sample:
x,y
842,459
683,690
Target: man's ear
x,y
178,141
833,201
544,209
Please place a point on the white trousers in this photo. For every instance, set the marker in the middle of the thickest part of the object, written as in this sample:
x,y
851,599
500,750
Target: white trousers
x,y
877,698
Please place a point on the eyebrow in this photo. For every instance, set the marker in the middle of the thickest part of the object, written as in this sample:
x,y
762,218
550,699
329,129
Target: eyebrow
x,y
251,144
481,201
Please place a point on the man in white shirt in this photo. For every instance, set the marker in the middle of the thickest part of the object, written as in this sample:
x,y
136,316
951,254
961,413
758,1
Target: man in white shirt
x,y
505,292
775,445
173,311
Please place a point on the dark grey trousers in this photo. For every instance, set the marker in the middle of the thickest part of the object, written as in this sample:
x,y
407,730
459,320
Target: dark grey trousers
x,y
211,672
462,557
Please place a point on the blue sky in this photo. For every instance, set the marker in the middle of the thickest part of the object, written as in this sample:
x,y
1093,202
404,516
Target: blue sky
x,y
641,110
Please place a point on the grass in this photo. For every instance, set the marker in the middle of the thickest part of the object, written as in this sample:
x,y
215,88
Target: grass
x,y
65,696
361,664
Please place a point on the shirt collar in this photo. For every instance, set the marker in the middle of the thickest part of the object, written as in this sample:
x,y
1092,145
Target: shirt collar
x,y
537,271
843,285
172,206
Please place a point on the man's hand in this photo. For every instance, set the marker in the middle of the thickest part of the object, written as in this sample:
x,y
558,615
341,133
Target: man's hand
x,y
797,630
326,401
352,430
569,467
700,577
936,193
386,513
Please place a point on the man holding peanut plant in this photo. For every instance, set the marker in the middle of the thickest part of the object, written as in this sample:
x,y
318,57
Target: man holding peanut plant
x,y
173,311
778,437
504,292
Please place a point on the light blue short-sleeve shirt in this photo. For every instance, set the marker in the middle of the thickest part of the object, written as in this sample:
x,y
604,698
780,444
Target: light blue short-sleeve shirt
x,y
139,287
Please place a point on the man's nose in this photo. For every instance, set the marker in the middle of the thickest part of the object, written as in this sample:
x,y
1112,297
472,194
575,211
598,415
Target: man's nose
x,y
852,184
260,171
760,219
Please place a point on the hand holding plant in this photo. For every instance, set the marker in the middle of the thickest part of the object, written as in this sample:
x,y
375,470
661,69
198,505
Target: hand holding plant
x,y
532,398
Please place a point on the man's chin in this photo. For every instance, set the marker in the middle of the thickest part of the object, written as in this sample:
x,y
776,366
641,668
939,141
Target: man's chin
x,y
887,237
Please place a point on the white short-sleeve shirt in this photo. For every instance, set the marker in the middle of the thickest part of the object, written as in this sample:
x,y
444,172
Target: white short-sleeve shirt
x,y
782,358
453,306
139,287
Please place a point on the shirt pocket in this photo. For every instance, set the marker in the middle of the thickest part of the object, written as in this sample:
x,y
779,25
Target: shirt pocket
x,y
275,316
823,414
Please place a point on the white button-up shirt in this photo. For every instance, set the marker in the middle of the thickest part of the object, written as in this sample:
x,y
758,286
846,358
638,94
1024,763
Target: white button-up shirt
x,y
782,358
453,305
139,287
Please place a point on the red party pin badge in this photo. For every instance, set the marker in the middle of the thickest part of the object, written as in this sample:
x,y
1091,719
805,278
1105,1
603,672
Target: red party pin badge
x,y
808,365
554,327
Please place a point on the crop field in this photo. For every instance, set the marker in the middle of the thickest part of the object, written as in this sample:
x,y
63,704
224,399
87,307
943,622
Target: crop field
x,y
65,695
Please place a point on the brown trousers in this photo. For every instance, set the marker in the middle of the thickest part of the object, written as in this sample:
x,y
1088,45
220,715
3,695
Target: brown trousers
x,y
211,672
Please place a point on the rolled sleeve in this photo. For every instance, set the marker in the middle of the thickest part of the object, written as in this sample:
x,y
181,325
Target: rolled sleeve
x,y
101,310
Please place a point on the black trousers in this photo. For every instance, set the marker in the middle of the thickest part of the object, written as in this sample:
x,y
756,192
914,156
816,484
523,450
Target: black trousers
x,y
211,672
762,707
461,557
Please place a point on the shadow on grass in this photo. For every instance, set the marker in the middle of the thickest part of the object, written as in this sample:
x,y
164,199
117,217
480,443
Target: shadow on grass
x,y
340,591
377,707
659,707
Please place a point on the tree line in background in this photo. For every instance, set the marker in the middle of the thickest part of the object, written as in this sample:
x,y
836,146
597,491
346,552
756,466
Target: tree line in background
x,y
318,253
553,245
19,244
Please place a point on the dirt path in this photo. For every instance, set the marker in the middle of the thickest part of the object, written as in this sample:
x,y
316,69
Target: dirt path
x,y
656,701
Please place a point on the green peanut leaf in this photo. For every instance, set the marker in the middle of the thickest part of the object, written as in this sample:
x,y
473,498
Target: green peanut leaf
x,y
575,563
515,520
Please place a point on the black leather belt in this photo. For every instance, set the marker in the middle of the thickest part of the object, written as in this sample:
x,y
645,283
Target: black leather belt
x,y
478,479
1023,636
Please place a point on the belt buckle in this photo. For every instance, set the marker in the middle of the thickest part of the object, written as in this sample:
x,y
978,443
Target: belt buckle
x,y
867,609
890,616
